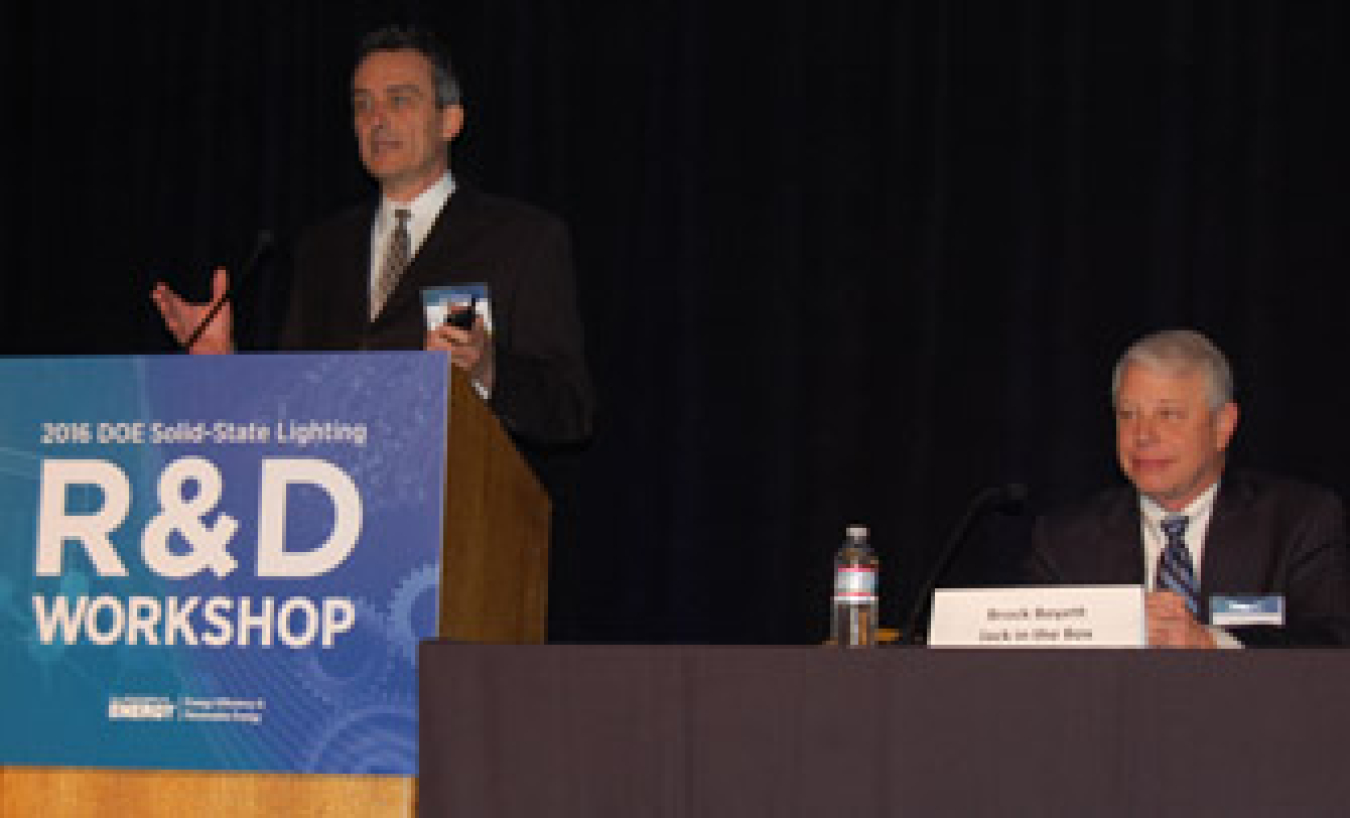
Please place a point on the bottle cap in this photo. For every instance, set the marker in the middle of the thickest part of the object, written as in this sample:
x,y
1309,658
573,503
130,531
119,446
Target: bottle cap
x,y
856,532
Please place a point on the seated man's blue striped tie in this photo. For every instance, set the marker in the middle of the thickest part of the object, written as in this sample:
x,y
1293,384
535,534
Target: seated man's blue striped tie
x,y
1175,569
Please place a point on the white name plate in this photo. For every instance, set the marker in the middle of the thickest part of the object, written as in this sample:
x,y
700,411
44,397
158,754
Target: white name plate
x,y
1063,616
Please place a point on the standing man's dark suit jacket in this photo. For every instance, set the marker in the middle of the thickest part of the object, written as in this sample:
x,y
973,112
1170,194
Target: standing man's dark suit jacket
x,y
1266,535
542,391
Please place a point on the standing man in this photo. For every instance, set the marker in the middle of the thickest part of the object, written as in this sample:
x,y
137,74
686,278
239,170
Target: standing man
x,y
360,277
1190,529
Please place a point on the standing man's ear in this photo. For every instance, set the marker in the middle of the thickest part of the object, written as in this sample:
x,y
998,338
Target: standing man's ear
x,y
452,121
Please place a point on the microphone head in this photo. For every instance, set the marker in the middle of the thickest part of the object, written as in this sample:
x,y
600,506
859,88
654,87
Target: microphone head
x,y
1012,497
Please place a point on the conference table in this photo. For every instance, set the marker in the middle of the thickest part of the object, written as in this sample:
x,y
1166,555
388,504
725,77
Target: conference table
x,y
607,730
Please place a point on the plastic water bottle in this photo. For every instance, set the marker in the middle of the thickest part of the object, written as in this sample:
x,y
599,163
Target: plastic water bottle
x,y
854,620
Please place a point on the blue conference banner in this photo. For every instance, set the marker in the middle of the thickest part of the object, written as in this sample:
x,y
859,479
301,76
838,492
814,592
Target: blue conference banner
x,y
218,563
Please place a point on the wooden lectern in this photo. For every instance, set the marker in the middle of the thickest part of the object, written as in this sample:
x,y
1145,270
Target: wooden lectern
x,y
494,588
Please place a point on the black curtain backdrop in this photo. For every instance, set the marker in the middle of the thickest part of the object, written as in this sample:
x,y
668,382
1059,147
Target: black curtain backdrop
x,y
838,262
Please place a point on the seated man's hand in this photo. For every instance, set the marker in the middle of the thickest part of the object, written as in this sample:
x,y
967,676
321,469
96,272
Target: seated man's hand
x,y
182,318
470,349
1170,624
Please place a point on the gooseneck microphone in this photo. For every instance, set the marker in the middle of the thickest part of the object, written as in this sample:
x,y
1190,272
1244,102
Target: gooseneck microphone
x,y
260,248
1008,498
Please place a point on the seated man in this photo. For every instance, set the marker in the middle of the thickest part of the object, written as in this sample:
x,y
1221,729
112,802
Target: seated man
x,y
1188,528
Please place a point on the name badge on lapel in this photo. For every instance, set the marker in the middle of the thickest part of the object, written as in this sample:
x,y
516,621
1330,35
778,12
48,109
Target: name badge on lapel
x,y
1237,610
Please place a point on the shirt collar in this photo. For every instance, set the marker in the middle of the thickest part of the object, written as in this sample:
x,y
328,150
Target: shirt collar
x,y
424,208
1199,508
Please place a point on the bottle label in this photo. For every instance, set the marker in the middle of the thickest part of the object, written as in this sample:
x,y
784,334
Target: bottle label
x,y
855,584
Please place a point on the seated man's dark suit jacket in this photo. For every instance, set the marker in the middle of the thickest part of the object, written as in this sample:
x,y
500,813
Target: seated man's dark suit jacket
x,y
542,391
1266,535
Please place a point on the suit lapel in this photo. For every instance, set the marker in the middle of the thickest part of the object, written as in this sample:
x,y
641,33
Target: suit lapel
x,y
355,256
1121,541
336,291
1227,539
439,252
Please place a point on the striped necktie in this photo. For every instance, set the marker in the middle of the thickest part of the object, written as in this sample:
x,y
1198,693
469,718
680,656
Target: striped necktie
x,y
395,260
1176,572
